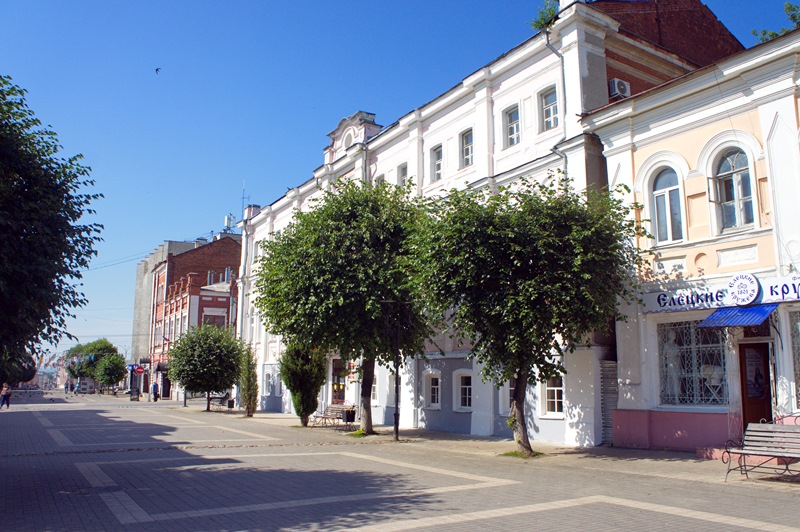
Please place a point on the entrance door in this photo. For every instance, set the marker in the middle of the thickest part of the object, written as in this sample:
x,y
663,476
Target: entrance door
x,y
337,380
756,389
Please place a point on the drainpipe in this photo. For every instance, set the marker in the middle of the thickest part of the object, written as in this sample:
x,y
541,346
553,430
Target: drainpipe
x,y
563,113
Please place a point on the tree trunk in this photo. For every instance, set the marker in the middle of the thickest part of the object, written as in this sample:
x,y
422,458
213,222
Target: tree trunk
x,y
518,413
367,378
208,401
304,420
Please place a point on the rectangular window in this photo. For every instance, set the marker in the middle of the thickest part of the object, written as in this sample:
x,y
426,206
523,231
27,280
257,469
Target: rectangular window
x,y
402,174
511,119
380,179
465,391
436,164
549,104
466,149
374,396
554,395
434,392
794,323
692,363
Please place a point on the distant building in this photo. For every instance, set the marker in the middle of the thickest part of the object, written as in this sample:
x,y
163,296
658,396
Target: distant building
x,y
194,287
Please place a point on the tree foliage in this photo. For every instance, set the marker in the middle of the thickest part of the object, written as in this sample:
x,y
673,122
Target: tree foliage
x,y
526,274
42,205
110,369
248,382
303,373
329,278
206,360
546,15
792,13
16,368
82,359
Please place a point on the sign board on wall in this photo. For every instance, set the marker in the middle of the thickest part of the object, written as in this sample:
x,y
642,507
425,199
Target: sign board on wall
x,y
742,289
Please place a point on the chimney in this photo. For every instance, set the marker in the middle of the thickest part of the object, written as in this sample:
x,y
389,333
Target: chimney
x,y
251,210
200,242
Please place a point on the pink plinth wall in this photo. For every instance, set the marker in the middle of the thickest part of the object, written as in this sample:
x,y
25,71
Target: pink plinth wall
x,y
680,431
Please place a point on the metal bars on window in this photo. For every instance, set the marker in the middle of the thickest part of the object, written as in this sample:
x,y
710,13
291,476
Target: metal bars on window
x,y
692,364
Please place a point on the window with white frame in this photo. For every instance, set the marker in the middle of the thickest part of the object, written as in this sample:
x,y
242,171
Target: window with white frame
x,y
511,125
374,396
506,397
733,190
433,389
462,390
266,387
436,163
667,219
794,322
548,102
466,148
692,364
380,179
402,174
553,395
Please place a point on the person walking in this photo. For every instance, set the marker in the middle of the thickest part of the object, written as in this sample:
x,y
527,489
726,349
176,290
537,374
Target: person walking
x,y
5,396
155,392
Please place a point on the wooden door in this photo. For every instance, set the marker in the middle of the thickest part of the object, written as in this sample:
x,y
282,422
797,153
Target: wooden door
x,y
755,378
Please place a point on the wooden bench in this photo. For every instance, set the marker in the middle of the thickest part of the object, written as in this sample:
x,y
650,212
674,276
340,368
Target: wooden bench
x,y
220,402
773,447
333,415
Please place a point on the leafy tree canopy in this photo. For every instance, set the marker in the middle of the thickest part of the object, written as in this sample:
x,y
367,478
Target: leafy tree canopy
x,y
546,15
792,13
528,273
206,360
18,368
303,373
110,369
42,205
82,359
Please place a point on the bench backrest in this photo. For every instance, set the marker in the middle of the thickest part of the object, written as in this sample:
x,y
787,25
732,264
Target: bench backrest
x,y
776,437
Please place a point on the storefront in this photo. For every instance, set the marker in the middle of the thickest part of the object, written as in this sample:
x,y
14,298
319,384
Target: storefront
x,y
714,356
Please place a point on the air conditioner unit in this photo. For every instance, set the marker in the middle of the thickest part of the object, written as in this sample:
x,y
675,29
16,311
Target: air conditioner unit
x,y
619,87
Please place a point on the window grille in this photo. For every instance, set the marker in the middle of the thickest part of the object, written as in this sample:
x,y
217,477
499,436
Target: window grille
x,y
794,320
692,362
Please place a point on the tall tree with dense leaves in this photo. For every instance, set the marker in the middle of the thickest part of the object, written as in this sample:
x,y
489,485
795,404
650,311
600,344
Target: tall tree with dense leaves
x,y
110,370
82,359
526,274
792,13
332,278
45,243
206,360
303,373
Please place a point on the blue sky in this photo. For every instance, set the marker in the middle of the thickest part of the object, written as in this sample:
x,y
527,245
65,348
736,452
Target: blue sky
x,y
245,97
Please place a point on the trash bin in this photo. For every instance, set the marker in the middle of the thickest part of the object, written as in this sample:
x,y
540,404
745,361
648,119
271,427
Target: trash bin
x,y
230,404
348,416
134,395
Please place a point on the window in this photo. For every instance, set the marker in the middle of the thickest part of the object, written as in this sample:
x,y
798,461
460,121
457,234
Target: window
x,y
465,391
466,148
380,179
794,322
667,207
511,122
733,190
433,389
402,174
549,105
692,362
436,163
374,396
553,396
506,397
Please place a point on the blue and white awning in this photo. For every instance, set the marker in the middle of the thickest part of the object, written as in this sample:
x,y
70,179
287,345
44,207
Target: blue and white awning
x,y
739,316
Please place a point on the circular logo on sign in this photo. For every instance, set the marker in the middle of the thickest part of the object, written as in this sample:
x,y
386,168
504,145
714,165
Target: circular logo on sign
x,y
743,289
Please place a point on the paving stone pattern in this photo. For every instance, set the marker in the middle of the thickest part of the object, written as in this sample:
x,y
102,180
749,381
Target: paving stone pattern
x,y
106,463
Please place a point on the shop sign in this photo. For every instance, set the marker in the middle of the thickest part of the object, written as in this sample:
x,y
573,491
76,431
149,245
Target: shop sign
x,y
742,289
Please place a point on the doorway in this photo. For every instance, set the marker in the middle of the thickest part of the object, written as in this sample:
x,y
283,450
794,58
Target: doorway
x,y
337,380
755,380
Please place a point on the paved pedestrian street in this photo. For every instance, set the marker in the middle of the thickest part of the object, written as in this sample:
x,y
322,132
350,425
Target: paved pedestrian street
x,y
106,463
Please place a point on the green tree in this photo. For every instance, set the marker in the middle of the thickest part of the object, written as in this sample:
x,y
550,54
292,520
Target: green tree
x,y
46,245
206,360
110,369
248,382
303,373
328,280
546,15
16,368
82,359
792,13
526,274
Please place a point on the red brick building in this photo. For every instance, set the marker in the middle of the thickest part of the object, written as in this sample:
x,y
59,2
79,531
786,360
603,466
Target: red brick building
x,y
191,289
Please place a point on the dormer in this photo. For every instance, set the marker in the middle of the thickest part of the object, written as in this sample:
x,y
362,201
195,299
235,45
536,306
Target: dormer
x,y
357,128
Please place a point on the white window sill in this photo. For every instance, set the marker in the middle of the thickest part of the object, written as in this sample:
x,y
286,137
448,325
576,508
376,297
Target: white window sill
x,y
553,416
463,410
432,407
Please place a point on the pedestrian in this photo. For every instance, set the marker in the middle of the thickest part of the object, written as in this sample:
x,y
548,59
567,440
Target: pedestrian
x,y
5,396
155,391
66,388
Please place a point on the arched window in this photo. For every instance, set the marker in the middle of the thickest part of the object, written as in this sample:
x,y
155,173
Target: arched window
x,y
667,219
734,193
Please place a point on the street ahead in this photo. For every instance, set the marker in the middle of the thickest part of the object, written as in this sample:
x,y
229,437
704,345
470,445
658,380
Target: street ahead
x,y
104,463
